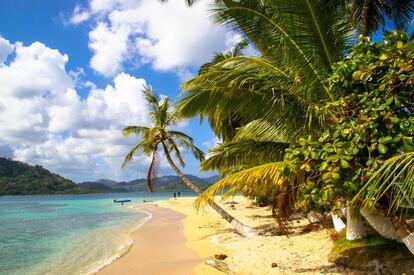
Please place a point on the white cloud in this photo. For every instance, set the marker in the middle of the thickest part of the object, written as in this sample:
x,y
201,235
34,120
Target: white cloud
x,y
105,6
35,77
5,49
109,46
180,36
170,36
211,143
79,15
44,120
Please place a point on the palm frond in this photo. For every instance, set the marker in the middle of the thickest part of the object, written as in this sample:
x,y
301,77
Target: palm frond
x,y
138,130
180,134
257,180
198,154
244,154
282,129
151,98
239,47
399,12
270,178
174,147
301,32
144,146
394,180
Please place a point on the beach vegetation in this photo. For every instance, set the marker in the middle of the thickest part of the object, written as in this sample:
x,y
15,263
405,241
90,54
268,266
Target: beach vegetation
x,y
316,117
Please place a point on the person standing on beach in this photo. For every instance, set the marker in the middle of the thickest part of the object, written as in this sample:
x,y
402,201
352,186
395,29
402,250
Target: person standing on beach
x,y
175,195
179,194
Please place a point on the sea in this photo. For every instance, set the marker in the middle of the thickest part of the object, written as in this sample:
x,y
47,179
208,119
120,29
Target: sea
x,y
67,234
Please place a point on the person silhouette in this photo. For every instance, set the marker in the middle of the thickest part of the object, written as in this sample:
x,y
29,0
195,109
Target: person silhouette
x,y
179,194
175,195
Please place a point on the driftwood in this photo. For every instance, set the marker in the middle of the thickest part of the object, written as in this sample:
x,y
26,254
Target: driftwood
x,y
220,265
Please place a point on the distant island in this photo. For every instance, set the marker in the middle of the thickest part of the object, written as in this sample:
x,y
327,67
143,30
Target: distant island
x,y
19,178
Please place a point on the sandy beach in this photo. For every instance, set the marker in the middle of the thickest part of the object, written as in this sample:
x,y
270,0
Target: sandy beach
x,y
178,239
159,247
300,253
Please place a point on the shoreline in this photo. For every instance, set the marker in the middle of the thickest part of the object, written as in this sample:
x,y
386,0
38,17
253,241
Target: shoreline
x,y
124,248
159,246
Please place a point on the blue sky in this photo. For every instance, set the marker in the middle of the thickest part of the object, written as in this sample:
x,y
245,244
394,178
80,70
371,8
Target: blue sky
x,y
70,73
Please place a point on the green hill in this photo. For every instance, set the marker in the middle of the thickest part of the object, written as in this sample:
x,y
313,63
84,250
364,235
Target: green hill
x,y
18,178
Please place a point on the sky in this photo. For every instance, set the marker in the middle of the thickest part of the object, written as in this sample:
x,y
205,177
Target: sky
x,y
71,75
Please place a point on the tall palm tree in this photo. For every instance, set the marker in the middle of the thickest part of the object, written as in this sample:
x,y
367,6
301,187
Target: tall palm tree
x,y
370,15
159,135
275,95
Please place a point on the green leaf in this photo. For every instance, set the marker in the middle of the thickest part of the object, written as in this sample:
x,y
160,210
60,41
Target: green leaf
x,y
344,163
336,176
389,100
383,56
382,149
357,75
385,140
408,143
316,198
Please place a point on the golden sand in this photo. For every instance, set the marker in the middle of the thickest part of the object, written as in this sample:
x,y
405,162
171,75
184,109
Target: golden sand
x,y
159,247
207,234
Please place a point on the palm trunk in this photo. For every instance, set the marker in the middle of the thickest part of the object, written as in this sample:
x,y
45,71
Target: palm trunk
x,y
380,223
364,24
337,222
405,234
354,227
241,228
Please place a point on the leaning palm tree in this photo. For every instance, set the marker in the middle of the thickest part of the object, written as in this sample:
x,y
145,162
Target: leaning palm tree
x,y
160,136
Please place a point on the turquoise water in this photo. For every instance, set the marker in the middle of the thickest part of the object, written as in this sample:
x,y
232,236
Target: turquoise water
x,y
66,234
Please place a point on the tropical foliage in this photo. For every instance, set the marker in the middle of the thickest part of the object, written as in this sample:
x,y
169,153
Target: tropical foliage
x,y
370,123
270,100
375,123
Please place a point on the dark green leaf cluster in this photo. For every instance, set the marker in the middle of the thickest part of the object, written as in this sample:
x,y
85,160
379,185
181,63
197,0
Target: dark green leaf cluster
x,y
373,121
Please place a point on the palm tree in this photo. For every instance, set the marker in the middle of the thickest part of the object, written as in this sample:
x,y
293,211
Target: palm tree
x,y
370,15
169,140
276,95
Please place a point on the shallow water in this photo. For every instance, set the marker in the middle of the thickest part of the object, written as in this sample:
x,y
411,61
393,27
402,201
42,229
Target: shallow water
x,y
66,234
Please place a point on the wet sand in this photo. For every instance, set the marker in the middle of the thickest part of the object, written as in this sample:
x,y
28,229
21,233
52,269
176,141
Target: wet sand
x,y
159,247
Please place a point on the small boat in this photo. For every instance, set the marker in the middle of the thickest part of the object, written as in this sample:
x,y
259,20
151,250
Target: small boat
x,y
121,201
